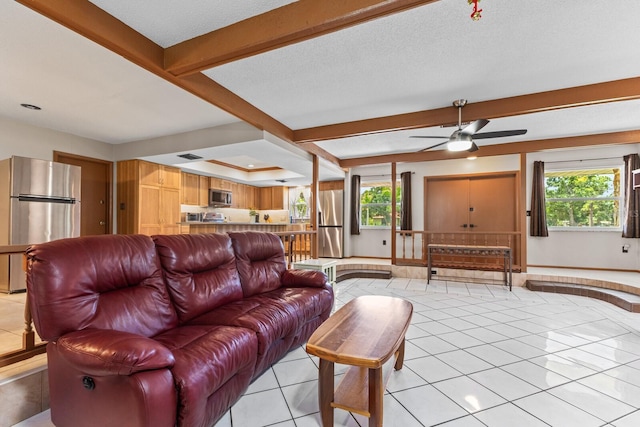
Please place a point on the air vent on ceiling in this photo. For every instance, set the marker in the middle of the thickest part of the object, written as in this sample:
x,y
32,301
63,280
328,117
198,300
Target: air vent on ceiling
x,y
189,156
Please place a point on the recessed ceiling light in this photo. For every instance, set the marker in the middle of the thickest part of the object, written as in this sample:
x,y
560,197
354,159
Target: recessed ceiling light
x,y
31,107
249,166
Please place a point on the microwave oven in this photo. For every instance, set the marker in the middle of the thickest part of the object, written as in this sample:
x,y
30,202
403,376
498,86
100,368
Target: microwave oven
x,y
219,198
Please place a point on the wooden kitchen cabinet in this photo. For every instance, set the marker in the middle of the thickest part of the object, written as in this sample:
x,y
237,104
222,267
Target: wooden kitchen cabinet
x,y
149,198
195,189
190,188
272,198
203,190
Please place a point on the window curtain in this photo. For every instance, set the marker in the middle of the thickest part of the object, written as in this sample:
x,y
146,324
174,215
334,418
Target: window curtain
x,y
538,219
631,220
355,205
405,203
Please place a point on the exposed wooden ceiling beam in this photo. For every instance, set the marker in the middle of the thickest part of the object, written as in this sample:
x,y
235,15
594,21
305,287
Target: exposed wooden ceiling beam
x,y
88,20
320,152
292,23
618,90
626,137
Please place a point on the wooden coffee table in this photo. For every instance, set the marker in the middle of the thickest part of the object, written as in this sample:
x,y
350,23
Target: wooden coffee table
x,y
365,334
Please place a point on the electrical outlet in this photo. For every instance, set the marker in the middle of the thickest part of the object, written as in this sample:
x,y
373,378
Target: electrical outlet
x,y
625,249
384,243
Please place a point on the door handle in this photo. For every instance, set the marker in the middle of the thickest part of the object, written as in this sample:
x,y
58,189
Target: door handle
x,y
472,225
102,223
464,226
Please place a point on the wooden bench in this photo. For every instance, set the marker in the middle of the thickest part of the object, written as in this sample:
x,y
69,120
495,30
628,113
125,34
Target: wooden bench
x,y
503,252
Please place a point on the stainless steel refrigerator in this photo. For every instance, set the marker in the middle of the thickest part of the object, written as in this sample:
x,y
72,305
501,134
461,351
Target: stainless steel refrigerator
x,y
330,233
42,200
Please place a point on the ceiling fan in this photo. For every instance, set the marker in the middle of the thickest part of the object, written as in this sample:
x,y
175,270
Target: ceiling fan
x,y
462,138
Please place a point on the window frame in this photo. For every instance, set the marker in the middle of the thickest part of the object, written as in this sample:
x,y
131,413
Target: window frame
x,y
580,166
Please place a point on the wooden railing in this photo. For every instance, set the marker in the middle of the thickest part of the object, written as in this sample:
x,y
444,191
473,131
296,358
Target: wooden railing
x,y
29,347
297,245
411,245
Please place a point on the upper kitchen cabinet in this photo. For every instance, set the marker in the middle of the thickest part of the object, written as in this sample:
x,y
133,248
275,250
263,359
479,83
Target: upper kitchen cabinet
x,y
203,190
158,175
148,198
190,188
272,198
220,184
195,189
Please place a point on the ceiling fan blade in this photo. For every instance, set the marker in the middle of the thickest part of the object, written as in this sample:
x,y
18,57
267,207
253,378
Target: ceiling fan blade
x,y
474,127
430,136
499,134
433,146
473,148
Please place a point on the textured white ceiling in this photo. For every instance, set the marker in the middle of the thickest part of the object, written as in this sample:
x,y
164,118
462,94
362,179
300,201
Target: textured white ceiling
x,y
426,57
168,22
419,59
602,118
86,90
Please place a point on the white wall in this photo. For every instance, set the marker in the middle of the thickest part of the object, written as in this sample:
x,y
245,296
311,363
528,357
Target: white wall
x,y
579,249
24,140
370,241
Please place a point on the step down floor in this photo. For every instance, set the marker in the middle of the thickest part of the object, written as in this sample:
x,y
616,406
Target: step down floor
x,y
362,274
624,300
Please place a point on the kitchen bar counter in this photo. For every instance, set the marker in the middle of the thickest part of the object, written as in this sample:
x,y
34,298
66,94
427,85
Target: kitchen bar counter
x,y
221,227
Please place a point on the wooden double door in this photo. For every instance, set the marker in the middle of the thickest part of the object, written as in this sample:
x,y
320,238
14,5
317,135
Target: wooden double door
x,y
473,209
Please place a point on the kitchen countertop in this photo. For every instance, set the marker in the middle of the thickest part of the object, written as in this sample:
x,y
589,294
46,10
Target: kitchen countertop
x,y
233,223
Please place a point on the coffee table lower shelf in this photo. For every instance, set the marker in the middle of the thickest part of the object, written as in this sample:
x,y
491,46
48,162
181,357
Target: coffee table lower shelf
x,y
352,392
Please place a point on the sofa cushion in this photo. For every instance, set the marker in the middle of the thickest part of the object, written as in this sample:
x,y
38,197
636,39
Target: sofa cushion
x,y
100,282
269,321
303,303
213,366
260,261
200,270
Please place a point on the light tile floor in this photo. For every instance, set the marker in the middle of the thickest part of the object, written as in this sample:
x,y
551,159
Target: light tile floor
x,y
476,356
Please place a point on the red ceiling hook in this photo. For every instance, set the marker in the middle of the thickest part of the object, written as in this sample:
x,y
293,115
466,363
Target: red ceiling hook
x,y
475,15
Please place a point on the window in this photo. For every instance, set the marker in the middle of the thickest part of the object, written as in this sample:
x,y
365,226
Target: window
x,y
583,198
375,204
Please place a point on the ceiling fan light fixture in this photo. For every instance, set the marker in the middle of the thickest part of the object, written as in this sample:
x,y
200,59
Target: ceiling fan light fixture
x,y
459,145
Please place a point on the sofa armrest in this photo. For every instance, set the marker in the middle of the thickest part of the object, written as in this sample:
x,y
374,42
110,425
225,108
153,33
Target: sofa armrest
x,y
303,278
109,352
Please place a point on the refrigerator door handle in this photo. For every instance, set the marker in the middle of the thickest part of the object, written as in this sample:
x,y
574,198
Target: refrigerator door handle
x,y
45,199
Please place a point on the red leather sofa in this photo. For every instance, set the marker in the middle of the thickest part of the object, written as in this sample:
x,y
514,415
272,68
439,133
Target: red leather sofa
x,y
168,330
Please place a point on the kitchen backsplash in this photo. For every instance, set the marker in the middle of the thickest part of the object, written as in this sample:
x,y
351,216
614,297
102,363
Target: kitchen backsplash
x,y
276,216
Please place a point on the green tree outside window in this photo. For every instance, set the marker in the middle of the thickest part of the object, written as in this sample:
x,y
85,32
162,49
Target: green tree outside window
x,y
375,204
583,198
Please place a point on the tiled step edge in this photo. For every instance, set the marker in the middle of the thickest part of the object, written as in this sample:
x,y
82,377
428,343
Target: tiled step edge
x,y
361,274
624,300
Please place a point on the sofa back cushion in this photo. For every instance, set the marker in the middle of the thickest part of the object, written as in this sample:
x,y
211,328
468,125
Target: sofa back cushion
x,y
200,270
102,282
260,260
